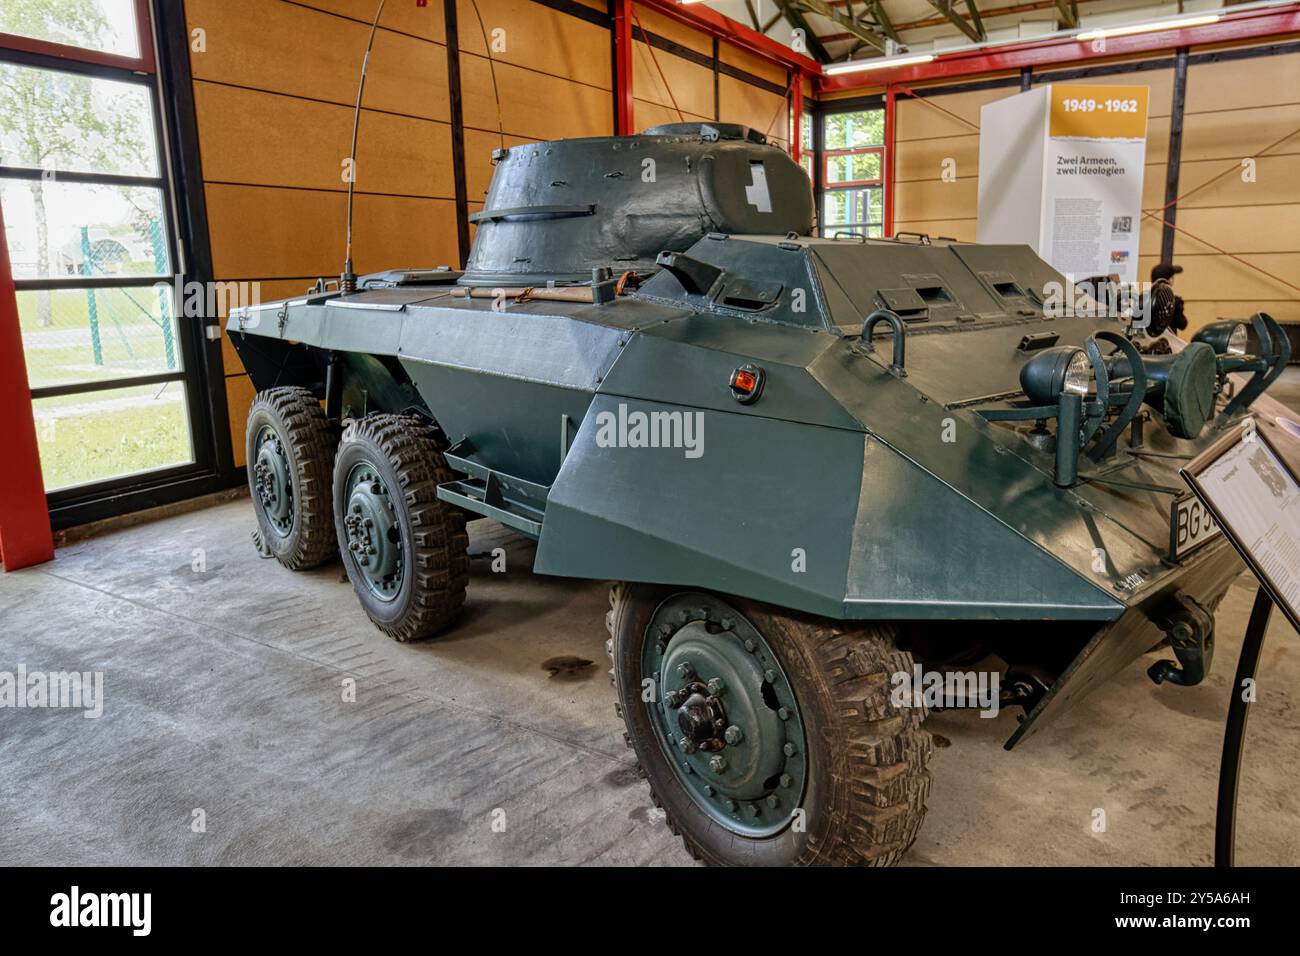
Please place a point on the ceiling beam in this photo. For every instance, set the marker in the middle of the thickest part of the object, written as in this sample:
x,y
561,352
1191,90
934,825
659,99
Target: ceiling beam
x,y
1069,10
792,15
947,8
823,9
753,15
883,21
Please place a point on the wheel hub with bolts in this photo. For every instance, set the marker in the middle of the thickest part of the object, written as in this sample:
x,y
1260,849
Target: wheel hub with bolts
x,y
373,534
725,714
272,482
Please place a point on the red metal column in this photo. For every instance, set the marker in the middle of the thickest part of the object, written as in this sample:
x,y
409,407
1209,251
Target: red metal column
x,y
623,67
25,537
796,118
891,119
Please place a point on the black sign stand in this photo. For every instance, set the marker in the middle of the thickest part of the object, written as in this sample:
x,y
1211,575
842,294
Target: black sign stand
x,y
1234,732
1266,598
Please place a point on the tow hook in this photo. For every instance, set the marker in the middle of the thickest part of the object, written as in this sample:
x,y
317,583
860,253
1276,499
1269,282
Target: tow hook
x,y
1191,635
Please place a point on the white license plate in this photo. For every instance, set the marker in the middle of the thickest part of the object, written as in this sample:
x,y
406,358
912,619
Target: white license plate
x,y
1190,526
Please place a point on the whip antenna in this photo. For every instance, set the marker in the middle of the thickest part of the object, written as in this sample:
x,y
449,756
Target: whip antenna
x,y
348,281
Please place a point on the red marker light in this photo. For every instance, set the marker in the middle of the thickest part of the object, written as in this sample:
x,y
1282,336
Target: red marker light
x,y
746,384
743,380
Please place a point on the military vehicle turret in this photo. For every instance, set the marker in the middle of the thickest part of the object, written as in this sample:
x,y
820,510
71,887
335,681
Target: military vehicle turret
x,y
808,463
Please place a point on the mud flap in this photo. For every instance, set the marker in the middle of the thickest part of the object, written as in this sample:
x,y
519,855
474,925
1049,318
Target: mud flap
x,y
1123,641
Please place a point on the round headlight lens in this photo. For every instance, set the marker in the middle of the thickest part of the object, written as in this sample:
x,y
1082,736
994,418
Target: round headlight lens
x,y
1078,375
1237,341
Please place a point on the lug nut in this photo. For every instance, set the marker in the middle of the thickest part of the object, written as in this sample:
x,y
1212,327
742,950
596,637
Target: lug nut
x,y
786,780
717,763
750,646
734,735
783,713
774,801
716,686
685,670
686,746
788,750
672,699
731,805
769,676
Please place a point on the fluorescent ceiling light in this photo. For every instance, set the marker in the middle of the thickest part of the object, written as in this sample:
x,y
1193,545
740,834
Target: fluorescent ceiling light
x,y
1173,23
877,63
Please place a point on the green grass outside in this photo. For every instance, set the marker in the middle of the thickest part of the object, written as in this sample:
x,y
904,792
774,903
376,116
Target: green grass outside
x,y
93,443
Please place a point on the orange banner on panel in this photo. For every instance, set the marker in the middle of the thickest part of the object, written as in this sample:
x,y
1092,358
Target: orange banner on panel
x,y
1099,112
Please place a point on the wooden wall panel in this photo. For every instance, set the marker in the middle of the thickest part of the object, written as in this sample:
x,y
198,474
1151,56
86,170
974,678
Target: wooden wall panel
x,y
263,139
931,130
533,105
267,233
744,103
1237,109
538,38
406,17
689,84
286,48
753,64
673,30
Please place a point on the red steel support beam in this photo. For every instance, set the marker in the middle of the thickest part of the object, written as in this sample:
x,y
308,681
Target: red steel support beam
x,y
25,537
712,23
623,118
1249,25
891,124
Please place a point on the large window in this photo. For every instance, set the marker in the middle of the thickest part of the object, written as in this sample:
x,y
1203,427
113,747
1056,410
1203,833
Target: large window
x,y
88,223
853,169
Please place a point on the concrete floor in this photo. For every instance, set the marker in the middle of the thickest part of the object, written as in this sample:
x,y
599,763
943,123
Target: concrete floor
x,y
224,693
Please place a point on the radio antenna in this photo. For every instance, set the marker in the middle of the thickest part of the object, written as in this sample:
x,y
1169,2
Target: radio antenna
x,y
348,281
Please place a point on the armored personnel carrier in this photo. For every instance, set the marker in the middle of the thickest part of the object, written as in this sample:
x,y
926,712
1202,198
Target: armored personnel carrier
x,y
811,466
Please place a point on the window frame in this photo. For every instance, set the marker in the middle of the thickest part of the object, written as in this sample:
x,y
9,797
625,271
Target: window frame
x,y
830,154
162,68
144,63
825,186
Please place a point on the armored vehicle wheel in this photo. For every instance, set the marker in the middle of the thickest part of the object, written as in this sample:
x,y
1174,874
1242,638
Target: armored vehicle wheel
x,y
290,456
770,737
406,551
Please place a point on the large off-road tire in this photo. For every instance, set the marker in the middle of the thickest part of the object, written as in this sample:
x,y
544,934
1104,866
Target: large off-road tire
x,y
406,551
289,445
818,765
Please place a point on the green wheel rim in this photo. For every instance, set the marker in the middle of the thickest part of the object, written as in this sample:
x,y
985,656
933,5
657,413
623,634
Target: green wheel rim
x,y
273,481
373,532
724,714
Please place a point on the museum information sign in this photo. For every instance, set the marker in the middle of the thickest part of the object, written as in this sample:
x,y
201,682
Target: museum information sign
x,y
1061,171
1251,490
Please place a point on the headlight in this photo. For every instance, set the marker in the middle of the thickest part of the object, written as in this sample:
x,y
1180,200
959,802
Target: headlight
x,y
1237,340
1056,370
1078,375
1226,337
